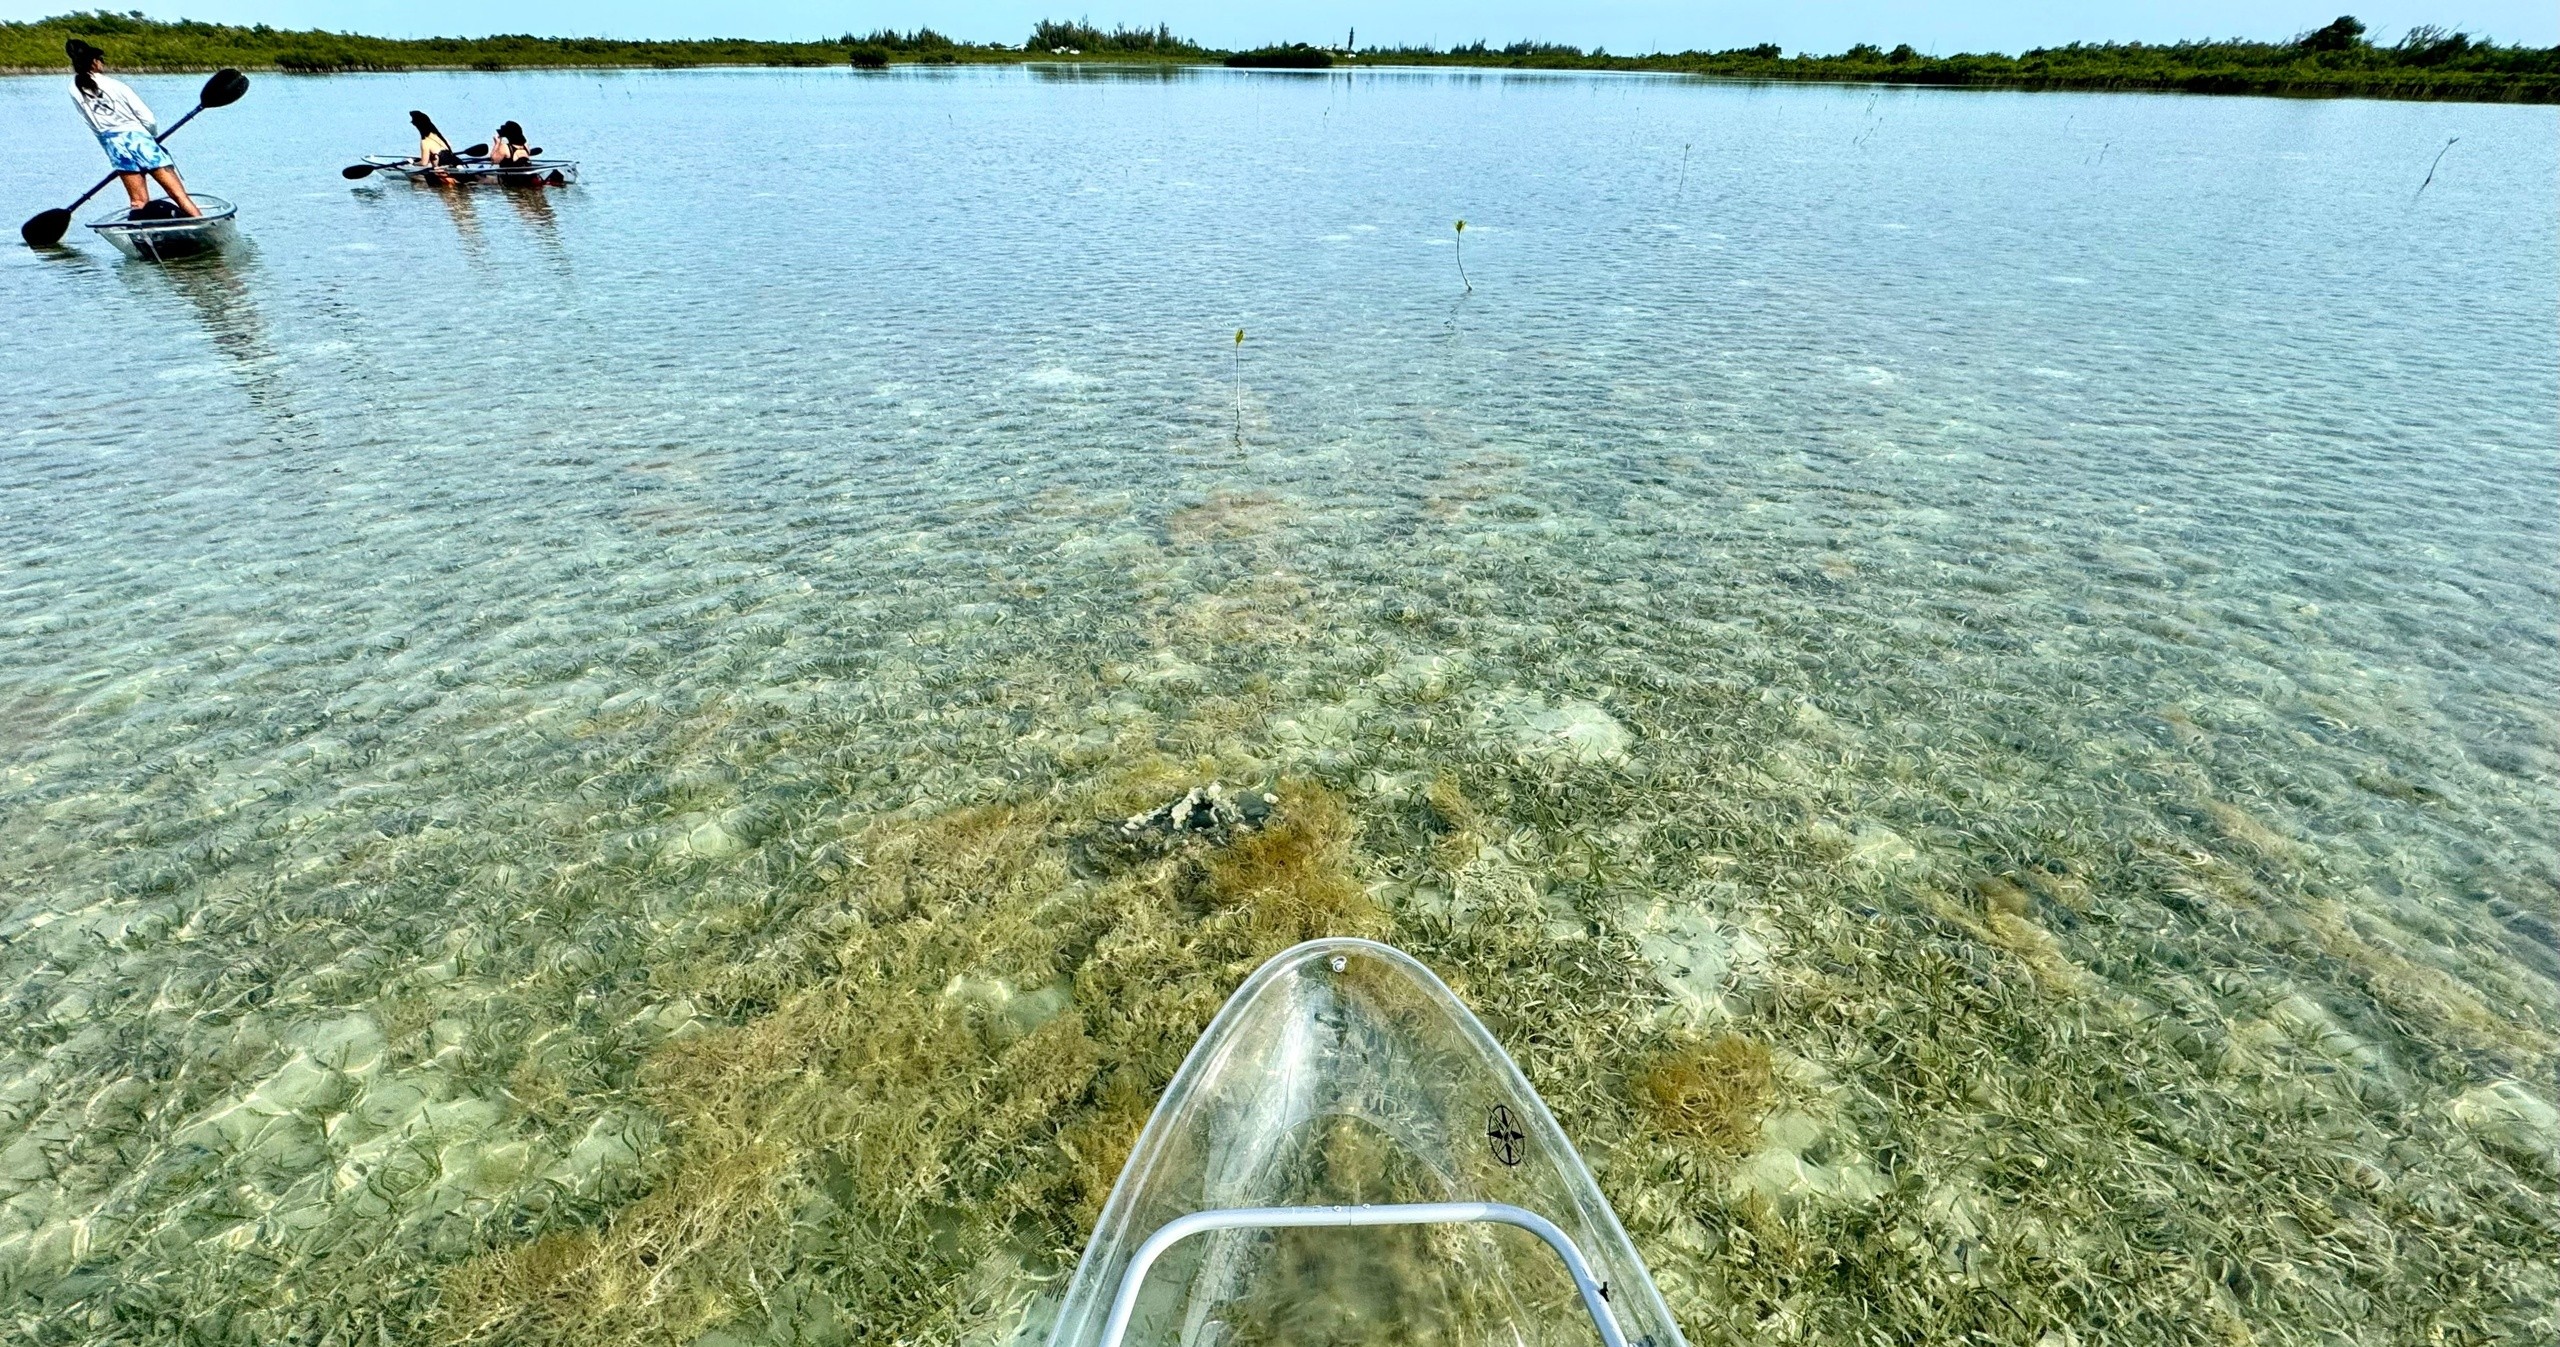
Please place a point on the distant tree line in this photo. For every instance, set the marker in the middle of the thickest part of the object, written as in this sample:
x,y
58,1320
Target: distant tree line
x,y
2336,59
133,42
1084,39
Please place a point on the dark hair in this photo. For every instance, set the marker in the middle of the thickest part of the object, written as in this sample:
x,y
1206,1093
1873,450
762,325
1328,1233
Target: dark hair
x,y
426,125
513,132
82,57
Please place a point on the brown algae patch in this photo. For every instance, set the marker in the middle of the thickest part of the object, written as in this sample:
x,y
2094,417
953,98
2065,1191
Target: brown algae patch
x,y
974,1036
2008,921
1714,1090
1467,482
2243,827
1227,515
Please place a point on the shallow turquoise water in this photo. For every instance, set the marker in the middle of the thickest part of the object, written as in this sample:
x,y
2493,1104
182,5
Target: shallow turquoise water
x,y
1945,482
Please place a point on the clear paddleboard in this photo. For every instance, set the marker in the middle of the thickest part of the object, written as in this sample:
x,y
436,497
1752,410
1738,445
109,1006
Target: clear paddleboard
x,y
1347,1157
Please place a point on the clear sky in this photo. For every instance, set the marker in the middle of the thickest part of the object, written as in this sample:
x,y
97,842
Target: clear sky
x,y
1619,25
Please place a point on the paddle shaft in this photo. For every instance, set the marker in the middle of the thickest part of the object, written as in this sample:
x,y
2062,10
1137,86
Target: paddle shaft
x,y
163,138
360,172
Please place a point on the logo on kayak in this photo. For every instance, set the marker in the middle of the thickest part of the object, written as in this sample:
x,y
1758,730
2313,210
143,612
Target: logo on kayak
x,y
1505,1135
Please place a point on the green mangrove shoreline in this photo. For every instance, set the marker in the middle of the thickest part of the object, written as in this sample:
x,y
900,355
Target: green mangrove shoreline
x,y
2332,62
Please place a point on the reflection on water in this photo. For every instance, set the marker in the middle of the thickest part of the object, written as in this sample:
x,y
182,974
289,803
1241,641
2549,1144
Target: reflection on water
x,y
463,203
217,294
533,206
215,288
1979,718
1088,72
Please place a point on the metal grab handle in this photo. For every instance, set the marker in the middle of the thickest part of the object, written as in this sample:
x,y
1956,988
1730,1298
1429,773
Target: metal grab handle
x,y
1124,1305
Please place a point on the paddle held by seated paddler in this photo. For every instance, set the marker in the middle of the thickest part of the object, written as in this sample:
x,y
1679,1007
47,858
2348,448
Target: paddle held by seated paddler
x,y
126,130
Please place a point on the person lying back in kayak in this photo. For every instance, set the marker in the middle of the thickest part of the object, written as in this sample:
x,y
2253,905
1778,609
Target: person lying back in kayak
x,y
507,145
433,149
126,130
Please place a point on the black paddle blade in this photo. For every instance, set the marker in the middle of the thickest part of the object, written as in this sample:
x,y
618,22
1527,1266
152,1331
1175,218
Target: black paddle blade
x,y
44,229
224,89
357,172
475,152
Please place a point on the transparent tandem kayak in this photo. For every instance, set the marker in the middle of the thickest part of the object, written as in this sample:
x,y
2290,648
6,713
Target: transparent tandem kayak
x,y
1347,1157
481,172
154,240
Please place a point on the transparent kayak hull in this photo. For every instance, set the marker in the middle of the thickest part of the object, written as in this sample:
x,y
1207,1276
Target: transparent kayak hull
x,y
481,173
162,240
1347,1157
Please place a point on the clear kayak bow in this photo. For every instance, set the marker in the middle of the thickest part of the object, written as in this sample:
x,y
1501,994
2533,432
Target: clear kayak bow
x,y
1347,1157
153,238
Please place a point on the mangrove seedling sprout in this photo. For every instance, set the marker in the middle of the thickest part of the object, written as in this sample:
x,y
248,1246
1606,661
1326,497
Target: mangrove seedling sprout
x,y
1462,258
2433,166
1235,377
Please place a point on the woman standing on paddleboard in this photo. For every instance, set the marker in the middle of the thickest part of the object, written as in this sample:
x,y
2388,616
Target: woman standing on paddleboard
x,y
126,130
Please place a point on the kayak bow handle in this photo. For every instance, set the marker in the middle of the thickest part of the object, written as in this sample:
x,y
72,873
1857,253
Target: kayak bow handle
x,y
1124,1305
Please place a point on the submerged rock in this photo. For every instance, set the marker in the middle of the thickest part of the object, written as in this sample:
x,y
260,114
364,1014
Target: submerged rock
x,y
2507,1117
1577,732
1008,1014
1210,815
1698,960
1878,847
1800,1160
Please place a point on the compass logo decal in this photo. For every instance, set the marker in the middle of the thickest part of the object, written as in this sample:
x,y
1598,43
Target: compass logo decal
x,y
1505,1135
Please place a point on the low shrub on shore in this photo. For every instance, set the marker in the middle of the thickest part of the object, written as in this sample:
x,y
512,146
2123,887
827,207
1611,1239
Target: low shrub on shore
x,y
2332,61
2335,60
148,44
1295,56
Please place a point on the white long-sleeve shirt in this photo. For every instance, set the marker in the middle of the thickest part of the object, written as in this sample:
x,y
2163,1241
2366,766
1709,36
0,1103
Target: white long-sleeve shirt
x,y
114,107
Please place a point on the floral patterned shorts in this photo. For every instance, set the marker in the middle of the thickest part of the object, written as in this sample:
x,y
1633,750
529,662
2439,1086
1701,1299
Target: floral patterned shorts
x,y
133,151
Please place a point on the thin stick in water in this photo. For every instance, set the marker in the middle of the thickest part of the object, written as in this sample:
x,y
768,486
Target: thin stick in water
x,y
2431,168
1462,258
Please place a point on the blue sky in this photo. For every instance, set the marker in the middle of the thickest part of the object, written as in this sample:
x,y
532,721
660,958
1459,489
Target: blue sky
x,y
1620,25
